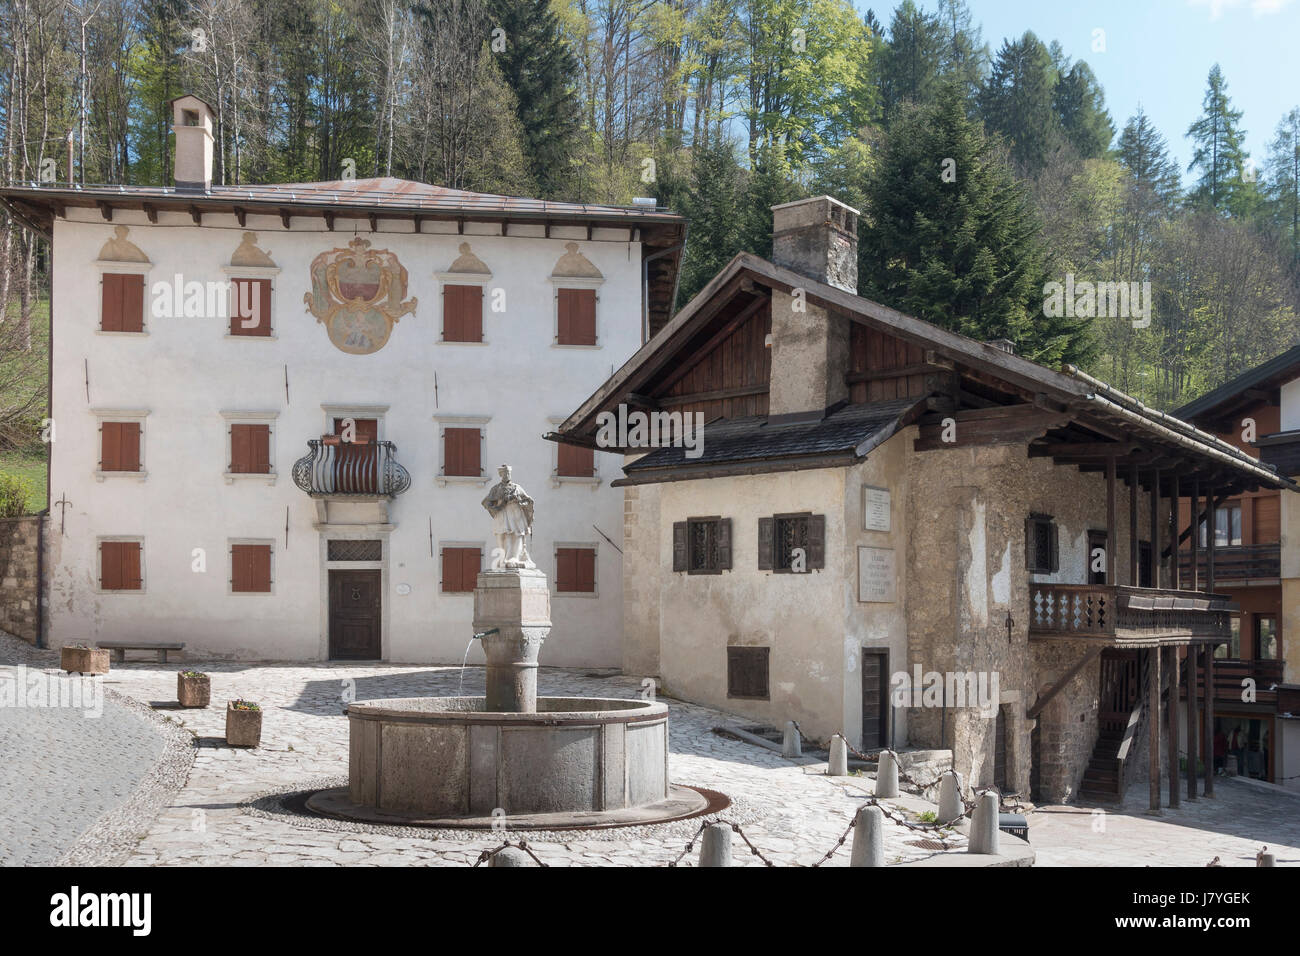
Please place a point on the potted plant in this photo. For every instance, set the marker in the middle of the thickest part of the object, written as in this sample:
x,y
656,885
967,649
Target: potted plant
x,y
83,659
243,723
193,689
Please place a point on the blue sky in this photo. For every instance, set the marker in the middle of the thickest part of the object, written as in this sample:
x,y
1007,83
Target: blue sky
x,y
1159,52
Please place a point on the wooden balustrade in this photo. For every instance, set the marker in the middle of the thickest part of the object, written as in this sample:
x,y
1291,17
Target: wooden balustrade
x,y
1118,614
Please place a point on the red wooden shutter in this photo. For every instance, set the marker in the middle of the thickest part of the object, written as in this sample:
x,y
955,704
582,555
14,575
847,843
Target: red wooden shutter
x,y
564,569
461,452
575,569
110,313
680,559
131,580
132,311
262,567
460,568
586,568
462,313
110,443
575,462
250,567
250,292
110,566
250,449
576,317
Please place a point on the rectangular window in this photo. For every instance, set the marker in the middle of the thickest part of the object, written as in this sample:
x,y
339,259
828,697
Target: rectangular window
x,y
250,449
250,568
792,543
1231,650
119,446
461,452
1042,549
576,317
574,462
575,570
460,568
702,545
747,672
1266,643
119,566
462,313
121,303
346,549
1227,525
250,307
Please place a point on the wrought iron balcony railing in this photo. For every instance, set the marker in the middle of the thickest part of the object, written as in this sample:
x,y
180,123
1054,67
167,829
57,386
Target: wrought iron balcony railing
x,y
1119,614
334,469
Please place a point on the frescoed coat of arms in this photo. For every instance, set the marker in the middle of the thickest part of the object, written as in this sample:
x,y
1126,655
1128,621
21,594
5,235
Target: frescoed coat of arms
x,y
358,294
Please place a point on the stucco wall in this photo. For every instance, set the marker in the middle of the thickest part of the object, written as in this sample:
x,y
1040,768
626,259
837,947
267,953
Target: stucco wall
x,y
185,371
641,579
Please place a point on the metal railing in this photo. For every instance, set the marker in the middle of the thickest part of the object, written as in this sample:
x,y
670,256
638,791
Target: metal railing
x,y
335,469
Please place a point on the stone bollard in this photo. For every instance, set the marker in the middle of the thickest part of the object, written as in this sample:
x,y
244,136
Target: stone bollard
x,y
839,765
512,856
1266,859
869,838
887,775
950,805
984,825
791,746
715,845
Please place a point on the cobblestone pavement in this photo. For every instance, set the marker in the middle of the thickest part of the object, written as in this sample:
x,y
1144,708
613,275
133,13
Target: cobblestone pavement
x,y
64,767
1234,825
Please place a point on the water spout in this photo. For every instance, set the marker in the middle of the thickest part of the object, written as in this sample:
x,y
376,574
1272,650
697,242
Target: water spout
x,y
477,637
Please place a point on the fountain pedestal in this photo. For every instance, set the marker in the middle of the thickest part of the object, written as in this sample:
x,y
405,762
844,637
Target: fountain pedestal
x,y
516,603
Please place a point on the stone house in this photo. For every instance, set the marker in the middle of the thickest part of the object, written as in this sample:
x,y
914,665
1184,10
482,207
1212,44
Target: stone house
x,y
877,503
277,407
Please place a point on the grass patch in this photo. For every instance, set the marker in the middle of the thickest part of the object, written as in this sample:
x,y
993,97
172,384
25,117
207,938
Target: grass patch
x,y
31,470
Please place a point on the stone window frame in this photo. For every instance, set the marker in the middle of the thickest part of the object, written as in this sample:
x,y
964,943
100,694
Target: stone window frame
x,y
127,415
594,548
462,421
99,564
230,567
144,269
574,282
333,411
594,479
253,272
251,417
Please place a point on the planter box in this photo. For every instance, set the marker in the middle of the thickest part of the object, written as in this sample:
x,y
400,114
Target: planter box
x,y
243,727
194,691
84,660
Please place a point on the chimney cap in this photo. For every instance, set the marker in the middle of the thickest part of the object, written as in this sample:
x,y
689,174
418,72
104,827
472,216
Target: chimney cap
x,y
816,199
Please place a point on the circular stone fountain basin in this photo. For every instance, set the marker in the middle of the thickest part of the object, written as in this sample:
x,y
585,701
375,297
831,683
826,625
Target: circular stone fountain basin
x,y
577,761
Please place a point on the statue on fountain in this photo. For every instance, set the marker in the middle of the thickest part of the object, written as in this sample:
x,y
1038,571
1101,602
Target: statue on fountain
x,y
511,509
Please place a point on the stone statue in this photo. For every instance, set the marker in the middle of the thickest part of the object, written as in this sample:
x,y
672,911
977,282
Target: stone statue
x,y
511,509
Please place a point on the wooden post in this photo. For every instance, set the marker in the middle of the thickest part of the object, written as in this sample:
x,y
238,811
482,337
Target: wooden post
x,y
1196,533
1209,719
1174,795
1174,575
1211,534
1133,578
1153,719
1193,727
1110,519
1155,527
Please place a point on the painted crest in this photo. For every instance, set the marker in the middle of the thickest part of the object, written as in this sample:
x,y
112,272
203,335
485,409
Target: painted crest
x,y
357,293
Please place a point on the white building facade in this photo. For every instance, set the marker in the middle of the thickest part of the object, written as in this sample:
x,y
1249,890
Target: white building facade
x,y
175,513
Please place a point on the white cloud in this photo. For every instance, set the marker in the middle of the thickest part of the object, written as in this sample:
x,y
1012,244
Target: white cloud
x,y
1260,8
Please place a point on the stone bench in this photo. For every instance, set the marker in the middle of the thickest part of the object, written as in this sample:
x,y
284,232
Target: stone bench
x,y
119,648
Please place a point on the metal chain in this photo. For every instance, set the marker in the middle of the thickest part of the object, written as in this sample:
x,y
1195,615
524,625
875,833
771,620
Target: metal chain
x,y
521,845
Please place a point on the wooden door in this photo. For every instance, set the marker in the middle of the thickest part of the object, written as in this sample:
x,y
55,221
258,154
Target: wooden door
x,y
354,615
875,699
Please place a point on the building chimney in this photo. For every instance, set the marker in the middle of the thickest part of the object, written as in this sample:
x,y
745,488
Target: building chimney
x,y
192,125
818,239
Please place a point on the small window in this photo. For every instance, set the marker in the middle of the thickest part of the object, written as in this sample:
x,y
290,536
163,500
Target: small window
x,y
119,446
575,317
1231,650
747,672
119,566
462,313
1041,545
250,568
792,543
460,569
461,452
250,307
121,303
250,449
575,570
1266,648
345,549
702,545
575,462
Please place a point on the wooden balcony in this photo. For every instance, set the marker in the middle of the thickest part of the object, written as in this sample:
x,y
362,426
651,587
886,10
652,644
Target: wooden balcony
x,y
1235,563
331,469
1126,616
1228,675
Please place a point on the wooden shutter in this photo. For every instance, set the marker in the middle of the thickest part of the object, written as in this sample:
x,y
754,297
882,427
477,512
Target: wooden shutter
x,y
747,672
1267,520
462,313
110,309
250,567
576,317
575,462
250,449
765,540
119,565
564,569
680,546
585,565
119,446
724,544
816,542
121,303
257,291
1054,557
461,452
460,567
131,580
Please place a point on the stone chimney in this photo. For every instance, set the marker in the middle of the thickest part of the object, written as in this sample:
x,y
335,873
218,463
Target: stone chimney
x,y
818,239
192,125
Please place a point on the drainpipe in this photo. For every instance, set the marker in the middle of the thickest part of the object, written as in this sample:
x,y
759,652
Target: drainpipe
x,y
645,287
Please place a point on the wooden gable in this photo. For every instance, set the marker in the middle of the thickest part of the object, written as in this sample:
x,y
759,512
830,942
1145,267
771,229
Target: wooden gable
x,y
730,375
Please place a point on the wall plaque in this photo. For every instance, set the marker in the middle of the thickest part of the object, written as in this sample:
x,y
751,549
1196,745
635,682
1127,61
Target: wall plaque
x,y
877,576
875,508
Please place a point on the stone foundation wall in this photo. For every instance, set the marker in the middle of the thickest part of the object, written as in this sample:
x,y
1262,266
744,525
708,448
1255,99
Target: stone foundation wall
x,y
1067,727
19,586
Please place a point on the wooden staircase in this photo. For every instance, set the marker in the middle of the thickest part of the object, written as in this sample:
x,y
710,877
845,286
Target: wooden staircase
x,y
1123,677
1101,780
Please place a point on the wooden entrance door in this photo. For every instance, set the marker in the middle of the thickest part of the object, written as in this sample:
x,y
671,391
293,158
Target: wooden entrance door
x,y
354,616
875,699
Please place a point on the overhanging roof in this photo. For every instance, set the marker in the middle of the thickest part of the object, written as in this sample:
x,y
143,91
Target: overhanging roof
x,y
1244,390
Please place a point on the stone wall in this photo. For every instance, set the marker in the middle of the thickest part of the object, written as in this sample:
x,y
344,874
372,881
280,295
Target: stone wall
x,y
641,575
19,586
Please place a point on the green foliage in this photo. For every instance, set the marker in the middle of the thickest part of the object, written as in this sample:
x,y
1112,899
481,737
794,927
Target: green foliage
x,y
1217,153
14,493
1017,102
